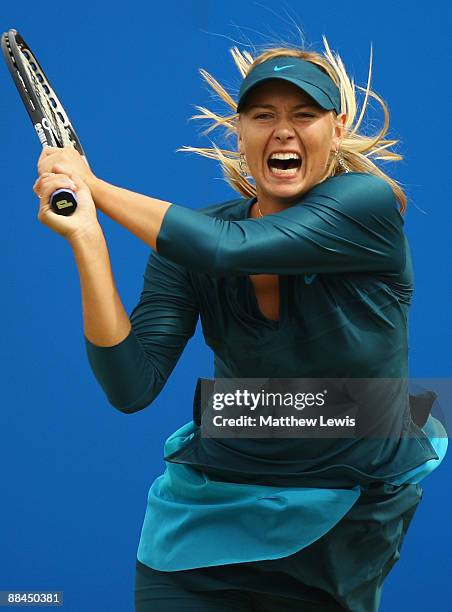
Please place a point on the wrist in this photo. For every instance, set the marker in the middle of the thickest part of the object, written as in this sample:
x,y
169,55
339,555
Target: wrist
x,y
99,192
93,183
88,237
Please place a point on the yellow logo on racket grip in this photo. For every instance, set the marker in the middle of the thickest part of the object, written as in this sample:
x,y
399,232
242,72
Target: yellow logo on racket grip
x,y
63,204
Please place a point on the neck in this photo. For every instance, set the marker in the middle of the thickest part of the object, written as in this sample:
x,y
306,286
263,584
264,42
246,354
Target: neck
x,y
269,206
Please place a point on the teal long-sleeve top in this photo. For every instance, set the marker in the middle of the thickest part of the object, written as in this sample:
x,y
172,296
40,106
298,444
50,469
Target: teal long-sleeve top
x,y
345,285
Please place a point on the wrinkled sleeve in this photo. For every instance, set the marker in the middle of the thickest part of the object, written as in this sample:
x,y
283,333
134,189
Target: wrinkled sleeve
x,y
349,223
133,372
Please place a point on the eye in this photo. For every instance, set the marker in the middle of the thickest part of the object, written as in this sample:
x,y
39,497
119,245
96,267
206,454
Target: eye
x,y
302,115
263,116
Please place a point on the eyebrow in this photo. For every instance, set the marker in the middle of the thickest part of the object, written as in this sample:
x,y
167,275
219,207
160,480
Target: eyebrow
x,y
270,106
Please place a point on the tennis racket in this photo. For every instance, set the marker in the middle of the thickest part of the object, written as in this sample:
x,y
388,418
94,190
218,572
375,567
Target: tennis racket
x,y
46,112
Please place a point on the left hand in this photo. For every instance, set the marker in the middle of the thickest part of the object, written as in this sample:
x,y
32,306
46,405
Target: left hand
x,y
82,222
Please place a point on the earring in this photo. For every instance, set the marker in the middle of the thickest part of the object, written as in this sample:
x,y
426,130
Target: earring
x,y
340,160
244,170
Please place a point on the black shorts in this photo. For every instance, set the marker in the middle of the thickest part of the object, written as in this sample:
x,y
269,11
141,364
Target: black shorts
x,y
159,592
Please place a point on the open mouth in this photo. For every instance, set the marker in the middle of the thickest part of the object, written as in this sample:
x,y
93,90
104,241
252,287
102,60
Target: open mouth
x,y
284,164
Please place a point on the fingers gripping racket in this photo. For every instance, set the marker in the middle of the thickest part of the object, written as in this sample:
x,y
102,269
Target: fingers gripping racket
x,y
45,110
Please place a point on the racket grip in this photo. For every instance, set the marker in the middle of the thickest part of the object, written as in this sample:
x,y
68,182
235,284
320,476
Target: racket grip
x,y
63,202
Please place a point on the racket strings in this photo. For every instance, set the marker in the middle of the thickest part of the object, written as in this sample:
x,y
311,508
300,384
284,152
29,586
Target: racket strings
x,y
50,104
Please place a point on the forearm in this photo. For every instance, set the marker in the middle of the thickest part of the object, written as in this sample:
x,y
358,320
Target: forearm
x,y
132,356
330,230
105,321
114,354
350,224
138,213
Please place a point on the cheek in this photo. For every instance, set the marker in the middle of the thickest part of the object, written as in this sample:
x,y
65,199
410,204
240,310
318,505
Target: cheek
x,y
254,152
253,143
316,138
319,135
319,151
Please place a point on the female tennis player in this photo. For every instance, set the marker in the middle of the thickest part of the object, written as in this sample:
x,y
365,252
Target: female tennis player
x,y
306,275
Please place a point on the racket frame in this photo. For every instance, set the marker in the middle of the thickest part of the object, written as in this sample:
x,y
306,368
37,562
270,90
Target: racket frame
x,y
13,45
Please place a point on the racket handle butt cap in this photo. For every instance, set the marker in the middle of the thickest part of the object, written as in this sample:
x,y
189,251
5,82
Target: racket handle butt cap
x,y
63,202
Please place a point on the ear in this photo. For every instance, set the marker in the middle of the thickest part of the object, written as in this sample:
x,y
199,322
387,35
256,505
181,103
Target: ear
x,y
339,128
239,137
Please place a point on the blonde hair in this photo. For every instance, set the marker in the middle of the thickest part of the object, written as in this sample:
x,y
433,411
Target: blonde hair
x,y
356,150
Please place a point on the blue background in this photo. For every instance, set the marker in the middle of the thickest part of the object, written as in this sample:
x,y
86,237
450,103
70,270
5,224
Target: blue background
x,y
75,472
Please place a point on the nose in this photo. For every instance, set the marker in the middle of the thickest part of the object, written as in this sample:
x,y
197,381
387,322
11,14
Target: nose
x,y
284,130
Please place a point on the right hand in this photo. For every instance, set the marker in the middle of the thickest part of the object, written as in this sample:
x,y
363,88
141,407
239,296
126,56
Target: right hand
x,y
53,158
82,221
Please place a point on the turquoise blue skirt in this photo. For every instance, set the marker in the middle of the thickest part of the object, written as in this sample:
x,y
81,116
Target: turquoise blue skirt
x,y
316,544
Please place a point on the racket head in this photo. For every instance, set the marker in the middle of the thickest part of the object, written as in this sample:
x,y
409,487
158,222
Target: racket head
x,y
46,112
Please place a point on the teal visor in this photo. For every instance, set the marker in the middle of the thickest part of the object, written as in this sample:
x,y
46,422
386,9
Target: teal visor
x,y
305,75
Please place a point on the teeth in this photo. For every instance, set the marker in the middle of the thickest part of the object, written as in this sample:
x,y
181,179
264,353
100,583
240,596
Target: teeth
x,y
284,156
288,172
